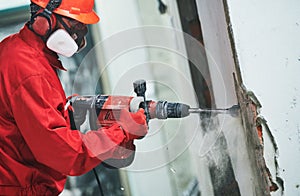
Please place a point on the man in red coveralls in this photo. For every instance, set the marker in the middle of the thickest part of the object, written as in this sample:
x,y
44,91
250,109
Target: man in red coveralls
x,y
38,149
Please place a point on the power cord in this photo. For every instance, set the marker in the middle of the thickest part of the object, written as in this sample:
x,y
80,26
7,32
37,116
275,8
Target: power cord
x,y
98,182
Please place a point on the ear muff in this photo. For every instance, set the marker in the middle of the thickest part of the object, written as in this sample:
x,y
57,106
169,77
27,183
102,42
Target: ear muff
x,y
43,22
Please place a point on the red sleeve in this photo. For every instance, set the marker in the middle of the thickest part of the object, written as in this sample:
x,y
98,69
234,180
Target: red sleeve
x,y
38,109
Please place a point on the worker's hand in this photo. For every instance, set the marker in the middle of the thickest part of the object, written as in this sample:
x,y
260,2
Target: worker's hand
x,y
128,127
124,156
133,124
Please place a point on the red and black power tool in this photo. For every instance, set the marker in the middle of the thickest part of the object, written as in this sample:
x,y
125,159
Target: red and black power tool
x,y
105,109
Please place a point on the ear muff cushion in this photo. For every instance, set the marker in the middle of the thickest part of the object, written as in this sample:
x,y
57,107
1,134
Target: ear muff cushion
x,y
41,25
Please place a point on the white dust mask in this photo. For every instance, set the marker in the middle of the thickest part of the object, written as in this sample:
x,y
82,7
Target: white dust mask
x,y
62,43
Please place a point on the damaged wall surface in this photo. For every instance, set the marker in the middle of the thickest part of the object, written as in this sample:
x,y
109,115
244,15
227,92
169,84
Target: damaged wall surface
x,y
266,38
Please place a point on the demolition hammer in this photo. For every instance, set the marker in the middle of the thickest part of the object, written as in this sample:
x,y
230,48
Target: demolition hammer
x,y
105,109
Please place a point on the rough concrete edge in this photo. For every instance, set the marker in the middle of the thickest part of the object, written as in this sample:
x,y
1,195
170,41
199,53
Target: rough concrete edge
x,y
263,122
232,42
254,147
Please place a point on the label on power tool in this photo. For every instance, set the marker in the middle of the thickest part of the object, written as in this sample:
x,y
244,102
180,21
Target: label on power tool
x,y
109,108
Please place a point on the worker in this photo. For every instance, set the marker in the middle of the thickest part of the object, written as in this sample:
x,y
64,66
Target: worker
x,y
38,149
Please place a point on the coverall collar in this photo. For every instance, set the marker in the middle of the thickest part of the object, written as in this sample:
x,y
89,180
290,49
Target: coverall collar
x,y
37,43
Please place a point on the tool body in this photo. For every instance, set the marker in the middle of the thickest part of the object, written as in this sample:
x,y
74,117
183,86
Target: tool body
x,y
105,109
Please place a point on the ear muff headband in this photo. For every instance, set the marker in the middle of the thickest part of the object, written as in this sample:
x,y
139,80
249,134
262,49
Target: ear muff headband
x,y
41,23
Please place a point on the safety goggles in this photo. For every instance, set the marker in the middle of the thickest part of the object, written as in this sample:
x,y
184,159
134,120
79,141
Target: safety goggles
x,y
76,29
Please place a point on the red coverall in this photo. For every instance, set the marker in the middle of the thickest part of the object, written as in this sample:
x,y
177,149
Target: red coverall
x,y
37,147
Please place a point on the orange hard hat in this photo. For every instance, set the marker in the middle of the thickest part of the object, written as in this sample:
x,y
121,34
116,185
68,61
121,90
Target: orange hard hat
x,y
80,10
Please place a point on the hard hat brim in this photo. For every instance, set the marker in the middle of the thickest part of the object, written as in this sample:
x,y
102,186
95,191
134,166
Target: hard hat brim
x,y
85,18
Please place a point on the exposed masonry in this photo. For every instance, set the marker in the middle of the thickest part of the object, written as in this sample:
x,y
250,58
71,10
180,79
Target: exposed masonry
x,y
262,123
254,125
262,126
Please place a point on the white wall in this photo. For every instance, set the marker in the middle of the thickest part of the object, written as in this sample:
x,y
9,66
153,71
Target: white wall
x,y
267,36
